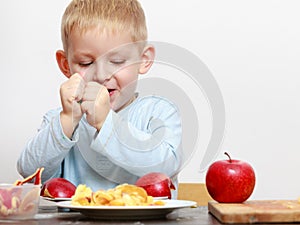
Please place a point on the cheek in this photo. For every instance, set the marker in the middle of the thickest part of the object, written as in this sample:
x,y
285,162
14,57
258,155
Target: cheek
x,y
75,68
127,78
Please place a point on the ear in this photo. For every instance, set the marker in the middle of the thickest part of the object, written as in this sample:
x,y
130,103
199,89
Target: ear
x,y
148,56
62,62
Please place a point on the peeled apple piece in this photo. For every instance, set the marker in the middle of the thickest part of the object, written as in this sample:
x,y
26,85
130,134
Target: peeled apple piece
x,y
58,188
37,176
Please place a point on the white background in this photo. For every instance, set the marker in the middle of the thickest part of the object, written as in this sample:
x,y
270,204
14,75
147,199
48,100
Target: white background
x,y
251,47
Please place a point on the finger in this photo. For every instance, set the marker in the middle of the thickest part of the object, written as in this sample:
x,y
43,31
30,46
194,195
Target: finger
x,y
87,107
103,95
91,91
78,84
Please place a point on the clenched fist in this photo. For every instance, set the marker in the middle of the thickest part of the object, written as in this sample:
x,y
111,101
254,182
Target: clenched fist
x,y
95,104
79,97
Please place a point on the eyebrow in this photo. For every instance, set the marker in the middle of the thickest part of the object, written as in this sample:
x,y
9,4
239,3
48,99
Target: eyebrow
x,y
79,54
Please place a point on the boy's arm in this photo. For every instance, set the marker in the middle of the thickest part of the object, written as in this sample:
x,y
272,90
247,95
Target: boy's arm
x,y
47,149
149,140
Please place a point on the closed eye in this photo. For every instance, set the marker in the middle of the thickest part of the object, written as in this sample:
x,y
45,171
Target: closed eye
x,y
85,64
117,61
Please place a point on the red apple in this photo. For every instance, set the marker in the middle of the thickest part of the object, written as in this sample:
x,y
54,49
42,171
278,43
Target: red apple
x,y
230,181
156,184
58,188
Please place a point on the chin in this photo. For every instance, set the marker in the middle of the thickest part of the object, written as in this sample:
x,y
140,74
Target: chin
x,y
116,106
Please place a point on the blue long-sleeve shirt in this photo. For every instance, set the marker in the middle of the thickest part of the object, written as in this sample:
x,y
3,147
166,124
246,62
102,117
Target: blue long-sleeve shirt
x,y
144,137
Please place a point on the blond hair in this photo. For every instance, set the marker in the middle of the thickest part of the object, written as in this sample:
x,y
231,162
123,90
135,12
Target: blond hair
x,y
114,15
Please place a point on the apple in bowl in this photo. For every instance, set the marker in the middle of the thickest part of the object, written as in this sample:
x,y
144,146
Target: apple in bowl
x,y
230,181
20,200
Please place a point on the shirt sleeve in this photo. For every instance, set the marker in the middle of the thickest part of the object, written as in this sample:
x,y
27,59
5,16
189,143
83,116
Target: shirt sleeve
x,y
147,139
46,149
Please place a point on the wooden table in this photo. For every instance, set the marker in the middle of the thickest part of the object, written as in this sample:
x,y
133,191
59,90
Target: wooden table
x,y
188,216
50,215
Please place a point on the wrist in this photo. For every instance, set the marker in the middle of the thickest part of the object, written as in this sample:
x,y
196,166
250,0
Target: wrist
x,y
99,126
68,124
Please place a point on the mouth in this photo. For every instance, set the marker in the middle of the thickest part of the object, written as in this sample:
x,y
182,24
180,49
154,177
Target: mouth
x,y
111,91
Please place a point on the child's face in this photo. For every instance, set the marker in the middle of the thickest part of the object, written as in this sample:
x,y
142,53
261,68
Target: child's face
x,y
110,60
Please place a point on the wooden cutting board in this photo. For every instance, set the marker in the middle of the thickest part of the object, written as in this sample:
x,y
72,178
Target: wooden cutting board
x,y
256,211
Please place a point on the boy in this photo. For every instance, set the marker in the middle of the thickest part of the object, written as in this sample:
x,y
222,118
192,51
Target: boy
x,y
104,134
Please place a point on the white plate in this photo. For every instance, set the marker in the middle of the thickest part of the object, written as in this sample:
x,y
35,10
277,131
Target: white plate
x,y
160,198
56,199
128,212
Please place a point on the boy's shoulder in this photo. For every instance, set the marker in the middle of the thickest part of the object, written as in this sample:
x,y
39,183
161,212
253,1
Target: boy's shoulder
x,y
152,102
53,112
153,98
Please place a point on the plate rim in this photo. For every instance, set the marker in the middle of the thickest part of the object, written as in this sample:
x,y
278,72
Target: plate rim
x,y
56,199
170,204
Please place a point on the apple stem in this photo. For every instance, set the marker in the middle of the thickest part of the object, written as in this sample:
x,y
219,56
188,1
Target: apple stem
x,y
228,156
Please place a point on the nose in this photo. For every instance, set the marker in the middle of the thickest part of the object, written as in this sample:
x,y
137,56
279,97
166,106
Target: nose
x,y
98,72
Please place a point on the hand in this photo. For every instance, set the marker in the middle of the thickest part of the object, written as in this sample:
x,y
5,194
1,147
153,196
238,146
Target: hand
x,y
95,104
71,93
